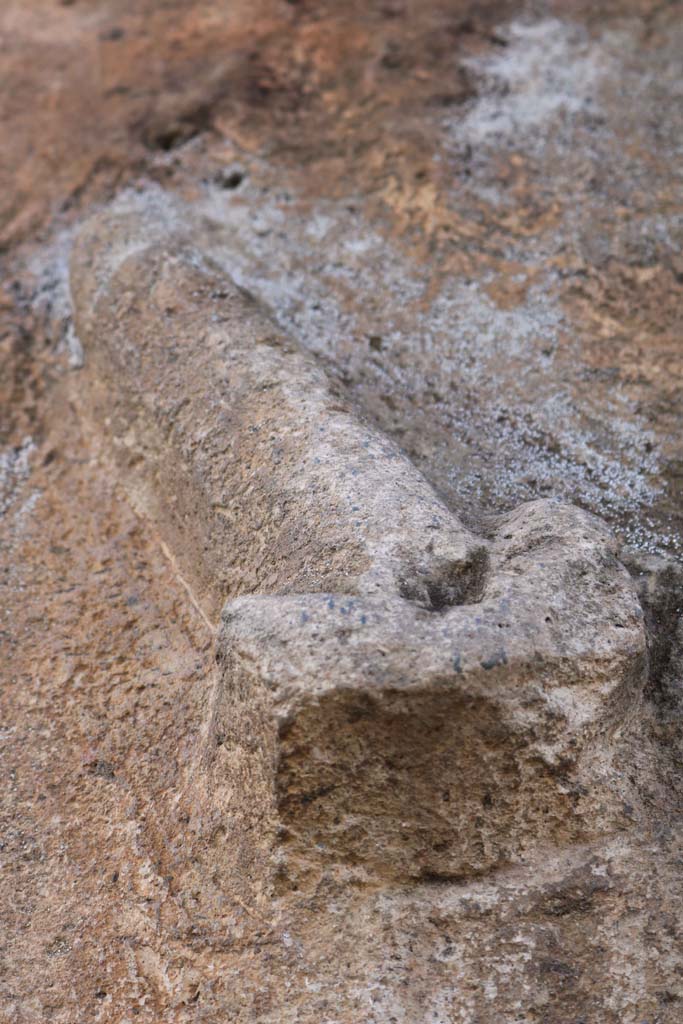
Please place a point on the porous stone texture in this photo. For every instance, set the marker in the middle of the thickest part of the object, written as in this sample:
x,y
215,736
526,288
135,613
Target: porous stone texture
x,y
224,796
393,691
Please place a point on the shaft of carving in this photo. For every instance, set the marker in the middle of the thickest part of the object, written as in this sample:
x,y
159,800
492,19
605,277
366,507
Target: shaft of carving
x,y
393,690
250,448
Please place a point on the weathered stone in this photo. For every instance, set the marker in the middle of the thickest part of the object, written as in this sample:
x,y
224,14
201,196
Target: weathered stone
x,y
394,691
471,214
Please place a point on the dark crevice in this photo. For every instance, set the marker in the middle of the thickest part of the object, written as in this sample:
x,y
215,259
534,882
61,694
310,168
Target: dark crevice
x,y
660,589
448,584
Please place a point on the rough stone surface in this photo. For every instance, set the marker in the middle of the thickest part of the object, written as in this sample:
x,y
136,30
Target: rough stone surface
x,y
469,215
425,702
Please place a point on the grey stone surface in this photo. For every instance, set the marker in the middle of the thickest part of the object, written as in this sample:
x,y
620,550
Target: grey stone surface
x,y
393,690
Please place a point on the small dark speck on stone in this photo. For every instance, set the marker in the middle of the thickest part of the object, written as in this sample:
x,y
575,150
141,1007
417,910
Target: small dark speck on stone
x,y
499,658
112,34
230,178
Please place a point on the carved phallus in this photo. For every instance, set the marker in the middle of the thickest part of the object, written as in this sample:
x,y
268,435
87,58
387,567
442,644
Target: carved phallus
x,y
392,690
